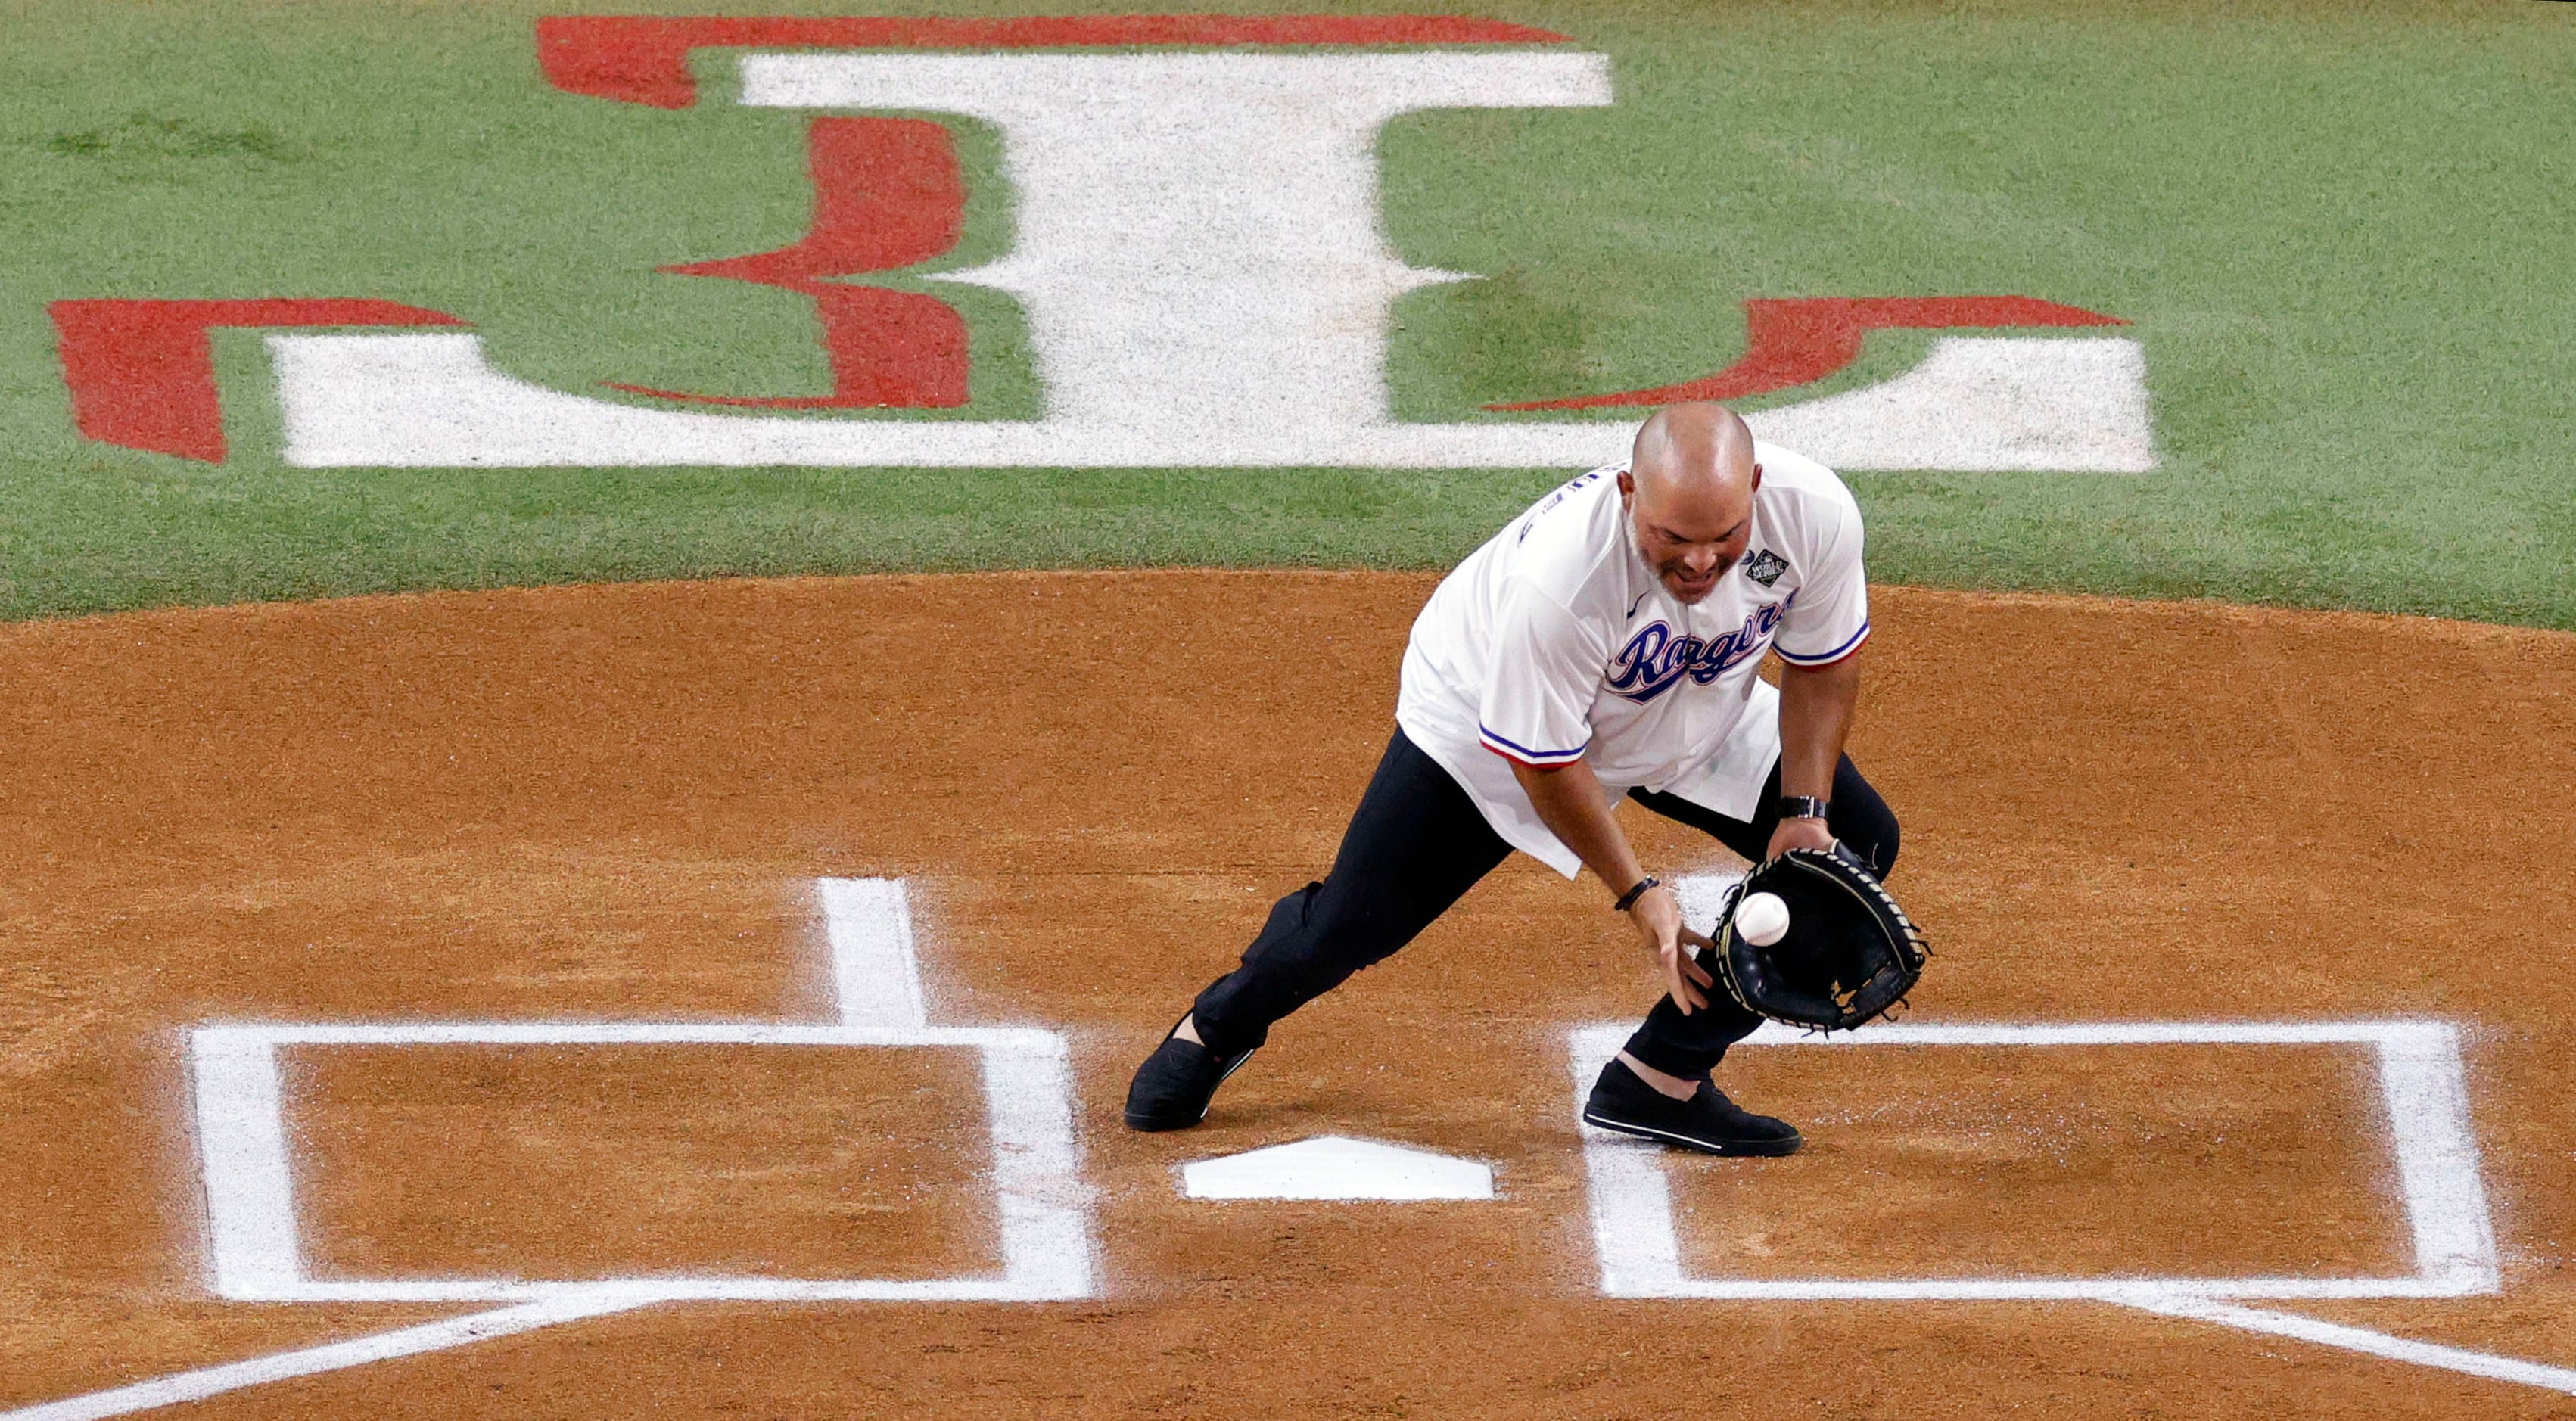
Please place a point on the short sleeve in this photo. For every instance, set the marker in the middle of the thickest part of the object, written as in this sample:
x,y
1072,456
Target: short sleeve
x,y
1828,616
1545,671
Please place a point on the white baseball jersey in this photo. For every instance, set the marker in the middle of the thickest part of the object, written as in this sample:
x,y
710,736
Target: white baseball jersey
x,y
1556,641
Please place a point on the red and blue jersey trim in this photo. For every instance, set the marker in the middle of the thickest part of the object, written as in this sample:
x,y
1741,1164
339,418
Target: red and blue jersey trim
x,y
1527,756
1830,657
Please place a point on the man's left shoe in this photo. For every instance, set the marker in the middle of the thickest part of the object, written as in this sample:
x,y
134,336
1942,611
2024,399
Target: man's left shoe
x,y
1172,1089
1707,1121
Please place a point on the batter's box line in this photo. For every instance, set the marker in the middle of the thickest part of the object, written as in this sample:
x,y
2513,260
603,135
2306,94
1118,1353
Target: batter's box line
x,y
254,1233
2424,1092
249,1170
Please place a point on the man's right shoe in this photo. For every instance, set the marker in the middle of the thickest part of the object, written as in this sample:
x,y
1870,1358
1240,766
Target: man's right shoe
x,y
1172,1089
1708,1121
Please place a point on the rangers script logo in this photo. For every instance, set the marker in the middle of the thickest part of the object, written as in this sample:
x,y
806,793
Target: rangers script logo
x,y
1654,660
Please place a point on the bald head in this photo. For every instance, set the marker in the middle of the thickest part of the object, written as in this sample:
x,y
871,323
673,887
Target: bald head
x,y
1690,494
1700,450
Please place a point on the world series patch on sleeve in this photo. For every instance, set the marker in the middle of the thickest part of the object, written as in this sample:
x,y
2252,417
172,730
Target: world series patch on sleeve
x,y
1849,955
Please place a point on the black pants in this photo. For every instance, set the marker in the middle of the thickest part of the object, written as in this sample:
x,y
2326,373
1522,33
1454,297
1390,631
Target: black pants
x,y
1416,845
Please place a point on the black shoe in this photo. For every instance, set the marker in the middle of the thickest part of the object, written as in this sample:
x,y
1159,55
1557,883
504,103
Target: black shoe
x,y
1172,1089
1707,1121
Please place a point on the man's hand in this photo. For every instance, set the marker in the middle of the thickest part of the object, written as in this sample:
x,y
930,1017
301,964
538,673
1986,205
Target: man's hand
x,y
1657,915
1798,834
1568,800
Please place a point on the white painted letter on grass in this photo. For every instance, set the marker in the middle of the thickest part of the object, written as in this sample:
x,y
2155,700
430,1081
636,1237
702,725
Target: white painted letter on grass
x,y
1206,283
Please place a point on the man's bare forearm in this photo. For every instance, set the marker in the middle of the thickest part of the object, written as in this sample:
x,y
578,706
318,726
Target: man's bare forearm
x,y
1568,801
1816,705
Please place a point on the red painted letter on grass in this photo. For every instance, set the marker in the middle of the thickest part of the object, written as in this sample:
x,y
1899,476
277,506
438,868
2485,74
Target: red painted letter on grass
x,y
142,373
644,59
1799,341
887,194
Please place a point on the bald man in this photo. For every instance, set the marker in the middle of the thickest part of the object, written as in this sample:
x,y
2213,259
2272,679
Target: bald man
x,y
1603,644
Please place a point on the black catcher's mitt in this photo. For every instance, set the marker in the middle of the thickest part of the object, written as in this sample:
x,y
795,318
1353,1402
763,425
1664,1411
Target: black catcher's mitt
x,y
1850,953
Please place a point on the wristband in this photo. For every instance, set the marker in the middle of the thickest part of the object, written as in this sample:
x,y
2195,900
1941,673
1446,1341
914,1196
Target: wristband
x,y
1629,899
1801,806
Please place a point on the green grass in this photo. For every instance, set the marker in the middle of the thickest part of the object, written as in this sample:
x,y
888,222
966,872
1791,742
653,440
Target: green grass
x,y
2341,232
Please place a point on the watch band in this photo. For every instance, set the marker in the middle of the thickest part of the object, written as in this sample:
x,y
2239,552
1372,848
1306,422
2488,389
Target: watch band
x,y
1629,899
1801,806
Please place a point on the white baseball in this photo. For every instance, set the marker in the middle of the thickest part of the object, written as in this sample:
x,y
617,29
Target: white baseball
x,y
1762,919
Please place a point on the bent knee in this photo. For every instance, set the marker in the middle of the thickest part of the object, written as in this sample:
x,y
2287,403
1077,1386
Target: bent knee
x,y
1863,822
1878,848
1871,832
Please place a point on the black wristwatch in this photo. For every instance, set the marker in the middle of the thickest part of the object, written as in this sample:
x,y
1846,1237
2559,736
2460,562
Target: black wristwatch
x,y
1801,806
1629,899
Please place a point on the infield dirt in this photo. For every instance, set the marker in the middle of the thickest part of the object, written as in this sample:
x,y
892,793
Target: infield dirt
x,y
609,802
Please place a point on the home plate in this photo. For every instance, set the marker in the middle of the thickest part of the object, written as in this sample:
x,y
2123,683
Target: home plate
x,y
1331,1167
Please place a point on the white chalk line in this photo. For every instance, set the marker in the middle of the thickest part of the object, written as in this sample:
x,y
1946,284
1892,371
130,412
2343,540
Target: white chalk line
x,y
2429,1132
571,1305
2422,1085
2489,1365
254,1236
876,972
